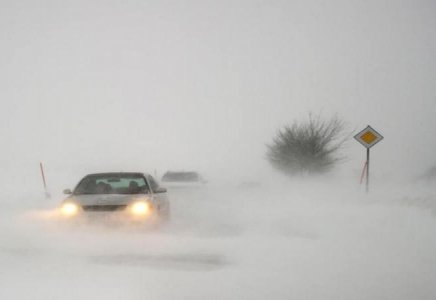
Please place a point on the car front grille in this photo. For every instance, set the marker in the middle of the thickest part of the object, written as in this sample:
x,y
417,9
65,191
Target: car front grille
x,y
96,208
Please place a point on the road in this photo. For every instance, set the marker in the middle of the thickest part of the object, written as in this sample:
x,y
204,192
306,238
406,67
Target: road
x,y
305,242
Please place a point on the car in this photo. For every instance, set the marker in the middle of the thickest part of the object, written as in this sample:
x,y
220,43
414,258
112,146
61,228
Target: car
x,y
127,196
183,179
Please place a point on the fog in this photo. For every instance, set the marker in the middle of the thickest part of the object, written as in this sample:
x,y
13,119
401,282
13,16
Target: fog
x,y
128,80
151,86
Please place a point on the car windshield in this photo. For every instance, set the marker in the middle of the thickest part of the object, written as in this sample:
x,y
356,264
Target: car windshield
x,y
181,176
112,184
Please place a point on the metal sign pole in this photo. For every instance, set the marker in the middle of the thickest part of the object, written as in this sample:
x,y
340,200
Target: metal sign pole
x,y
367,170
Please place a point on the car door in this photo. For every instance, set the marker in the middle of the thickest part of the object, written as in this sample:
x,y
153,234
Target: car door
x,y
161,199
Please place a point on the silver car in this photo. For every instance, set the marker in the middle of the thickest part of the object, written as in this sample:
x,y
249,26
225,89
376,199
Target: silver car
x,y
125,196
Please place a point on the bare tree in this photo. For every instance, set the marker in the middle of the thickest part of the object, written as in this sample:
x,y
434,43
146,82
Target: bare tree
x,y
310,147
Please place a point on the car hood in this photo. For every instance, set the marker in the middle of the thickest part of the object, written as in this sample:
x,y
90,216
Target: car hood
x,y
111,199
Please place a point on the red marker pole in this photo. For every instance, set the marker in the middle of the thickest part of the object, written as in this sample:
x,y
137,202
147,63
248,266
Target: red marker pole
x,y
363,172
47,194
43,176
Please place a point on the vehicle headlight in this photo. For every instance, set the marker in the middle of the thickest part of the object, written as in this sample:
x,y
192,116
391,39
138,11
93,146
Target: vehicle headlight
x,y
69,209
141,208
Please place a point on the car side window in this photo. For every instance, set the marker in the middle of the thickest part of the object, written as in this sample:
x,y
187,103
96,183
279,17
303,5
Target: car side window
x,y
153,183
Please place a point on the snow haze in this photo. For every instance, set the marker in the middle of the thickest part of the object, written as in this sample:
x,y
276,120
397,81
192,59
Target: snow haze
x,y
137,79
294,241
98,86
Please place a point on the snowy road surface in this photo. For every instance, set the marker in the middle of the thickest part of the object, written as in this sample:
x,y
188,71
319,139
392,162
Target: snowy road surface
x,y
246,244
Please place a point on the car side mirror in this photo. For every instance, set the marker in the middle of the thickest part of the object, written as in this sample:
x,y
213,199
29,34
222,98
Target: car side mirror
x,y
160,190
67,191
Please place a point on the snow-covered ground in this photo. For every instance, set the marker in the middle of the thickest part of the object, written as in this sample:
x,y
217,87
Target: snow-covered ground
x,y
302,241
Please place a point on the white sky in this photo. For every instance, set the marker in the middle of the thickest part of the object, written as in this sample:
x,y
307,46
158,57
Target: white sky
x,y
204,85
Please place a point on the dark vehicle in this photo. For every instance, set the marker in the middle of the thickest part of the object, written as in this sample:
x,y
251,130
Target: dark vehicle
x,y
183,179
128,196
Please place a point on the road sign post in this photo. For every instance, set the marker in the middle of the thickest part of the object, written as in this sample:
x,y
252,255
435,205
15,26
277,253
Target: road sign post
x,y
368,137
367,170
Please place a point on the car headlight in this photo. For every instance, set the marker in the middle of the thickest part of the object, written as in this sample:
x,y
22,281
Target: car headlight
x,y
69,209
141,208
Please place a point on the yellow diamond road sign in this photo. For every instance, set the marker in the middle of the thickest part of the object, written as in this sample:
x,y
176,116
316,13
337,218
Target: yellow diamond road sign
x,y
368,137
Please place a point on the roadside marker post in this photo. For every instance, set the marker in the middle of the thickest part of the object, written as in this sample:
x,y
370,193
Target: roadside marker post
x,y
368,137
363,173
47,194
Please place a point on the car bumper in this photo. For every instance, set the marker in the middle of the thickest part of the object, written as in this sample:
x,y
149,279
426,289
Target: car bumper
x,y
116,217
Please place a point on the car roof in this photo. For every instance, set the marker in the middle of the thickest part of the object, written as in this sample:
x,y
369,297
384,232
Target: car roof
x,y
118,174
